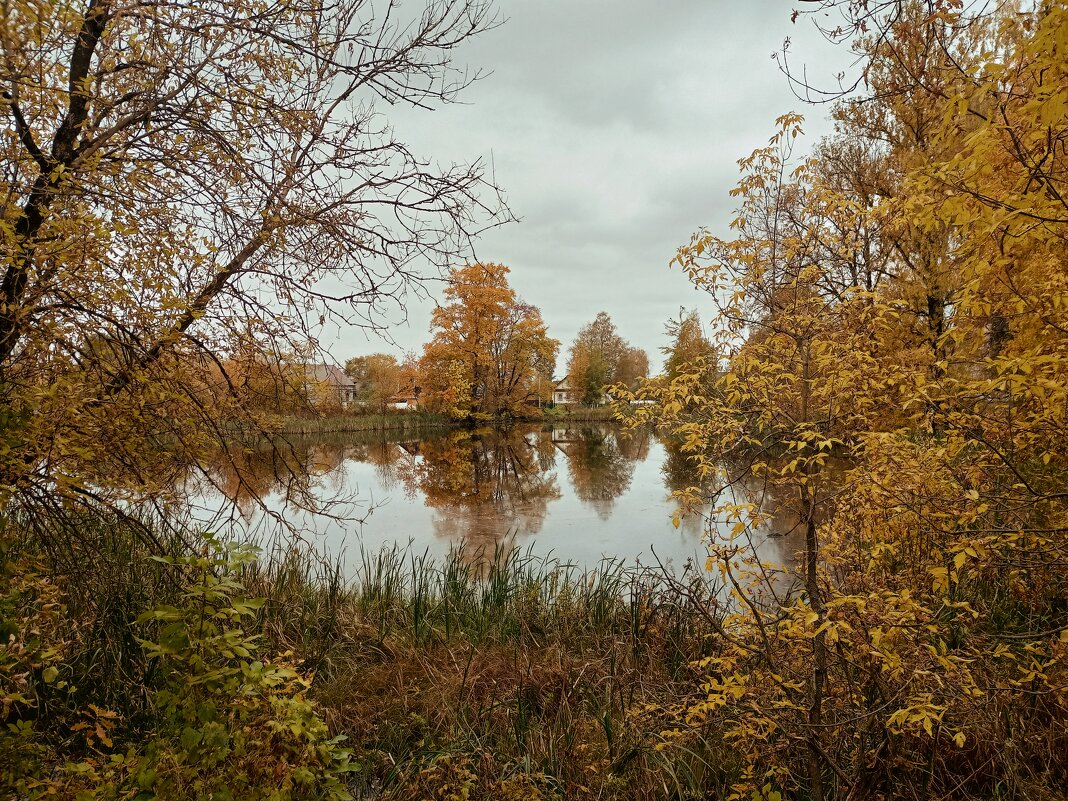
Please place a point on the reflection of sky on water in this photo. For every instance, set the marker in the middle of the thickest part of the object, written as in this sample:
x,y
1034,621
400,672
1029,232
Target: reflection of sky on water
x,y
579,494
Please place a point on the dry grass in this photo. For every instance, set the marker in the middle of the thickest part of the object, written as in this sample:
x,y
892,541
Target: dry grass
x,y
507,677
469,678
343,423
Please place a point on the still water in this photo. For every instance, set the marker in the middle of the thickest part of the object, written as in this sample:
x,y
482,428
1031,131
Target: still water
x,y
578,493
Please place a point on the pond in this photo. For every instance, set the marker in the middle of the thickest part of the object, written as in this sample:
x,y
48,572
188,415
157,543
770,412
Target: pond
x,y
578,493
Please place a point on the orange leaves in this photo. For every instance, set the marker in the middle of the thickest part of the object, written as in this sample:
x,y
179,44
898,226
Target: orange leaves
x,y
97,726
491,353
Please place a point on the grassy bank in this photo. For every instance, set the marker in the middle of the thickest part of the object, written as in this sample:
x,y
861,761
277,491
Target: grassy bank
x,y
405,422
500,676
512,677
419,422
579,414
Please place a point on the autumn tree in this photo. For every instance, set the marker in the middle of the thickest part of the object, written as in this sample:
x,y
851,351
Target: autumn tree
x,y
633,366
410,378
599,357
176,174
490,354
894,375
260,381
377,377
690,349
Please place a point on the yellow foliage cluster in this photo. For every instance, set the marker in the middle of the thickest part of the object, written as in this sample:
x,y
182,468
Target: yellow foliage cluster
x,y
491,353
893,323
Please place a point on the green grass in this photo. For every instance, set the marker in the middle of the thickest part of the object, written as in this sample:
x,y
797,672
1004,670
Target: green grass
x,y
480,675
409,422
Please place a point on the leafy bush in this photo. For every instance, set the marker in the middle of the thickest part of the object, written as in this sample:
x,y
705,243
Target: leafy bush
x,y
31,646
227,725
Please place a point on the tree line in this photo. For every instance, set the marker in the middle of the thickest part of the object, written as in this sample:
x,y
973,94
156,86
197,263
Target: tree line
x,y
490,355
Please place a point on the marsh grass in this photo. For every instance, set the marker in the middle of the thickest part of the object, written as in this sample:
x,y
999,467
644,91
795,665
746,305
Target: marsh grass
x,y
479,675
484,674
100,563
415,422
580,414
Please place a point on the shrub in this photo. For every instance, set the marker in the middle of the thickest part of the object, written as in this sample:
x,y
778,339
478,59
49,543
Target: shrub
x,y
228,726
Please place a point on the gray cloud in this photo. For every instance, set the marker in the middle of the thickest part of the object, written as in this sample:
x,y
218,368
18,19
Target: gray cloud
x,y
614,128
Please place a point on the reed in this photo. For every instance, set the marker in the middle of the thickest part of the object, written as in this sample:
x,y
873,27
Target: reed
x,y
480,675
408,422
507,595
503,672
580,414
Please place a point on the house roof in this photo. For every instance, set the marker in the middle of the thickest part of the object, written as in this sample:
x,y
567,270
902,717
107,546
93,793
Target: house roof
x,y
326,374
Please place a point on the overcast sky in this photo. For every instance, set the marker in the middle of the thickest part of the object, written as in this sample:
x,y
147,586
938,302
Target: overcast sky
x,y
614,128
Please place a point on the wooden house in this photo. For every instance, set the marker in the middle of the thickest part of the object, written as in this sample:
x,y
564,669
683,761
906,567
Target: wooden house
x,y
565,393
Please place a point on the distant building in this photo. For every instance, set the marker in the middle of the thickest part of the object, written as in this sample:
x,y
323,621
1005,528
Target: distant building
x,y
564,394
327,385
405,401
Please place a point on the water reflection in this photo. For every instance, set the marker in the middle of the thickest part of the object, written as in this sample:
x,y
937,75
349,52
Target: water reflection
x,y
600,468
481,480
580,492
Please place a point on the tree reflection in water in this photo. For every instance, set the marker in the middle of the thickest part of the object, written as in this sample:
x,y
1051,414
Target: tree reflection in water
x,y
485,487
488,483
303,473
779,515
600,462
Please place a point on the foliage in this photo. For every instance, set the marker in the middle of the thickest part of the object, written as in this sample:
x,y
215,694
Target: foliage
x,y
491,354
501,672
632,367
226,724
32,644
251,382
231,725
377,378
599,356
690,350
181,177
892,313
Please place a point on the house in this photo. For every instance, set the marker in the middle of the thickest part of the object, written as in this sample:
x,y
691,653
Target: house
x,y
405,401
326,385
565,393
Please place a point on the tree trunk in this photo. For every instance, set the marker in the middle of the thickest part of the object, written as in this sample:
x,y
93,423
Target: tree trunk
x,y
815,597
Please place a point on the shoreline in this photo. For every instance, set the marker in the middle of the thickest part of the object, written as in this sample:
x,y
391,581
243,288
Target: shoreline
x,y
425,421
